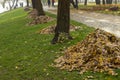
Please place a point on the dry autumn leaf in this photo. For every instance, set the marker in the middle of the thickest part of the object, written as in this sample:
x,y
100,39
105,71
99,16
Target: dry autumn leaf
x,y
99,52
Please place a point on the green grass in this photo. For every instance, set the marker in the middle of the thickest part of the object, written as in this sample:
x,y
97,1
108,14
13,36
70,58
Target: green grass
x,y
25,55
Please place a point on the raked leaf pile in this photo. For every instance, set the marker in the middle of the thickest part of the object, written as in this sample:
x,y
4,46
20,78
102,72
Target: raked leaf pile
x,y
98,52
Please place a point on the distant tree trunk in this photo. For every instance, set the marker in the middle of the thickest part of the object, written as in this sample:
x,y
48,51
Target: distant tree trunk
x,y
73,3
108,1
97,2
38,6
115,1
16,5
85,3
3,3
118,1
103,1
27,1
76,3
63,20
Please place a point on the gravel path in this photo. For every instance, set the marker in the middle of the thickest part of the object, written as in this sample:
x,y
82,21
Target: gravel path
x,y
108,23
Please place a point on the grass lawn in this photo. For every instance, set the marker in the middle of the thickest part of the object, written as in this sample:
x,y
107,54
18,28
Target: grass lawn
x,y
26,55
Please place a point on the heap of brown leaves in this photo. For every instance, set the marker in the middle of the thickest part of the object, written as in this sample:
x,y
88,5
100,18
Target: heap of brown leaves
x,y
98,52
51,29
38,19
33,14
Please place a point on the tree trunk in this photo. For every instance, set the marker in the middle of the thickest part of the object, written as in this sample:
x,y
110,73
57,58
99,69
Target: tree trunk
x,y
11,5
85,3
115,1
108,1
3,3
27,1
16,5
97,2
63,20
38,6
103,1
73,3
76,3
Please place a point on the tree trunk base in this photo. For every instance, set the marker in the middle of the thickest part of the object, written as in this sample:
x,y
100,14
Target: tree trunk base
x,y
60,37
55,39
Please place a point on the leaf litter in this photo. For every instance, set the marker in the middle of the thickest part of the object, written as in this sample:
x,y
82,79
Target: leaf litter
x,y
98,52
38,19
51,29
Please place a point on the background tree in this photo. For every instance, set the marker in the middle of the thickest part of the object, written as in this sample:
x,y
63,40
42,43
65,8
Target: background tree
x,y
76,3
16,4
63,20
103,2
33,4
73,3
27,1
85,3
108,1
12,4
97,2
38,6
3,3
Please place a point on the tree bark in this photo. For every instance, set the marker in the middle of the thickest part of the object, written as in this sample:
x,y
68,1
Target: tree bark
x,y
38,6
97,2
63,20
27,1
108,1
116,1
33,4
73,3
85,3
103,1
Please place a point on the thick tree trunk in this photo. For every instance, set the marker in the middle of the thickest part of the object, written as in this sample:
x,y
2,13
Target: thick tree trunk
x,y
38,6
103,1
97,2
11,5
33,4
16,5
76,3
63,20
108,1
85,3
3,3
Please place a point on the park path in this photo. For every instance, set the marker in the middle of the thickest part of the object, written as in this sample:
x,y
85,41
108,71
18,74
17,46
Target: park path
x,y
106,22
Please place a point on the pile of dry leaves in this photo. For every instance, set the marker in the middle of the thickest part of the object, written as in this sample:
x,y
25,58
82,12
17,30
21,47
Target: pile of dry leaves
x,y
38,19
98,52
51,29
